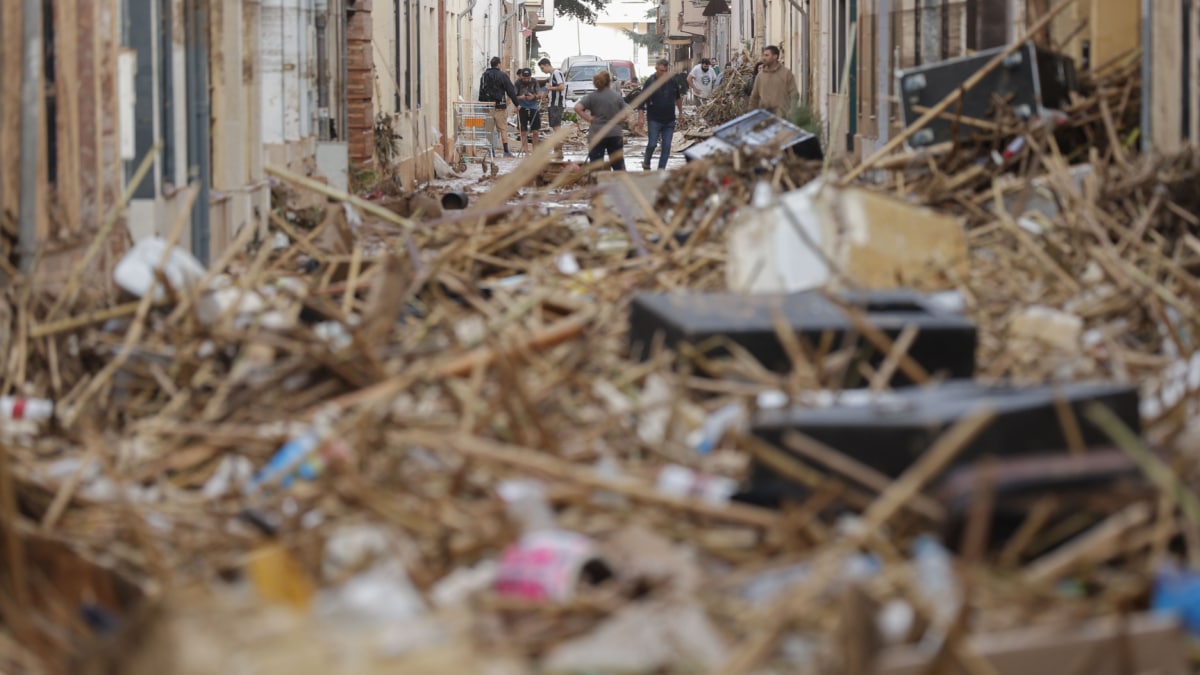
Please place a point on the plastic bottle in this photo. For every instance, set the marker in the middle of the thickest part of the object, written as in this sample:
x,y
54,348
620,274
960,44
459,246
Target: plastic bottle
x,y
715,425
17,408
936,578
292,455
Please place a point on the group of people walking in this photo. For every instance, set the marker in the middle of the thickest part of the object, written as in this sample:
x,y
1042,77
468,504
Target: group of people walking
x,y
772,87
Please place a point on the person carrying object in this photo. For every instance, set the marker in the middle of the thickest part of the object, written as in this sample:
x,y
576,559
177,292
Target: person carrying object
x,y
494,85
598,109
660,107
529,114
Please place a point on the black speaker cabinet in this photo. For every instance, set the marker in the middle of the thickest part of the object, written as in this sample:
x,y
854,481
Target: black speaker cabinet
x,y
1031,82
945,342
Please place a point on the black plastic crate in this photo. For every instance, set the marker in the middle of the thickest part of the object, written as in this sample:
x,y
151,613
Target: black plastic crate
x,y
945,342
1033,82
758,128
894,431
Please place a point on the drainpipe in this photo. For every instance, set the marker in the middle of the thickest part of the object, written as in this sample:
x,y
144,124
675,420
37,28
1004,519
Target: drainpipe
x,y
322,25
884,74
443,98
852,108
31,29
199,141
1148,92
458,23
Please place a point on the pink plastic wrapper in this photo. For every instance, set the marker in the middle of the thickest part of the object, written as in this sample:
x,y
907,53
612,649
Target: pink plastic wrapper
x,y
544,565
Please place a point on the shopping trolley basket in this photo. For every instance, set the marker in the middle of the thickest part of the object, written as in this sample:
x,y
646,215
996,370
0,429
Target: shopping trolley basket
x,y
473,129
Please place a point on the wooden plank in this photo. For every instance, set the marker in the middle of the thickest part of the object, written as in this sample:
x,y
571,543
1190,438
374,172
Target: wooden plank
x,y
68,188
1106,646
10,110
1194,68
1115,29
1166,106
251,79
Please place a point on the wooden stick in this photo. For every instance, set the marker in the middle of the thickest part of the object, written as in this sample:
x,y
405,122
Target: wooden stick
x,y
544,464
958,117
880,340
1159,473
814,450
555,334
86,319
953,97
1091,547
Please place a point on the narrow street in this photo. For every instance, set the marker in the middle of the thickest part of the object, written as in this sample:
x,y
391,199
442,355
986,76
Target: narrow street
x,y
893,369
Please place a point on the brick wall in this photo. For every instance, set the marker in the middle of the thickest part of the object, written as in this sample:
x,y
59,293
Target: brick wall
x,y
360,83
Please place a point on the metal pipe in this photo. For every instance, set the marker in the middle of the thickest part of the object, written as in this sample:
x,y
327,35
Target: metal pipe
x,y
1147,75
199,142
470,8
31,133
884,74
322,25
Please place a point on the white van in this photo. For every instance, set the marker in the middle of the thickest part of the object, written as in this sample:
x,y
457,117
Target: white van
x,y
566,64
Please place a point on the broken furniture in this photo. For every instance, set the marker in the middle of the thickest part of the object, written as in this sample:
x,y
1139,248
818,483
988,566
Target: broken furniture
x,y
944,344
1031,82
758,128
893,429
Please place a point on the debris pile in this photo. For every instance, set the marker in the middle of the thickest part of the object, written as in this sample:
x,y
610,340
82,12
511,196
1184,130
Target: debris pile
x,y
731,97
363,443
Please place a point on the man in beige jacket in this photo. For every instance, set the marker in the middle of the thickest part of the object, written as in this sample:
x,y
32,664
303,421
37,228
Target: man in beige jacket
x,y
775,86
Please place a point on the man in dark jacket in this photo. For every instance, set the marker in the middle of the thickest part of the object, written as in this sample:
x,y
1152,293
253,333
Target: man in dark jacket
x,y
493,86
660,109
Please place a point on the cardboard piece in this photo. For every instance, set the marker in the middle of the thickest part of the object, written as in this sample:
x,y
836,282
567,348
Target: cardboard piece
x,y
812,236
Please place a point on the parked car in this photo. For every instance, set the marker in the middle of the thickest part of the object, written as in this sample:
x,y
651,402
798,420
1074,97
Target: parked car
x,y
579,78
624,71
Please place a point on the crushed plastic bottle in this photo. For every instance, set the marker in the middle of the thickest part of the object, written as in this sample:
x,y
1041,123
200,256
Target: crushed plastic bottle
x,y
546,563
706,438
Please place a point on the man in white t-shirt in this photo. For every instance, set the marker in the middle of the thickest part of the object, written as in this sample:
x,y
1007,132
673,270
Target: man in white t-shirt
x,y
554,89
702,80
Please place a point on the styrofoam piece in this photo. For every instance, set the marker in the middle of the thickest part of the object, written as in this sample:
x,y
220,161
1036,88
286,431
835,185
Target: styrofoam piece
x,y
135,273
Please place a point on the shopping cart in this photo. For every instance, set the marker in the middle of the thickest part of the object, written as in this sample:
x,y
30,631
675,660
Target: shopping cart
x,y
474,127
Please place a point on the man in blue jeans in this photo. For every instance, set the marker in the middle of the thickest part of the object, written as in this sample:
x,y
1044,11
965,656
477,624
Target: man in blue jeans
x,y
660,109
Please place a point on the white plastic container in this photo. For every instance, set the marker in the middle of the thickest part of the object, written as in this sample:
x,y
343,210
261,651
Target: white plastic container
x,y
17,408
